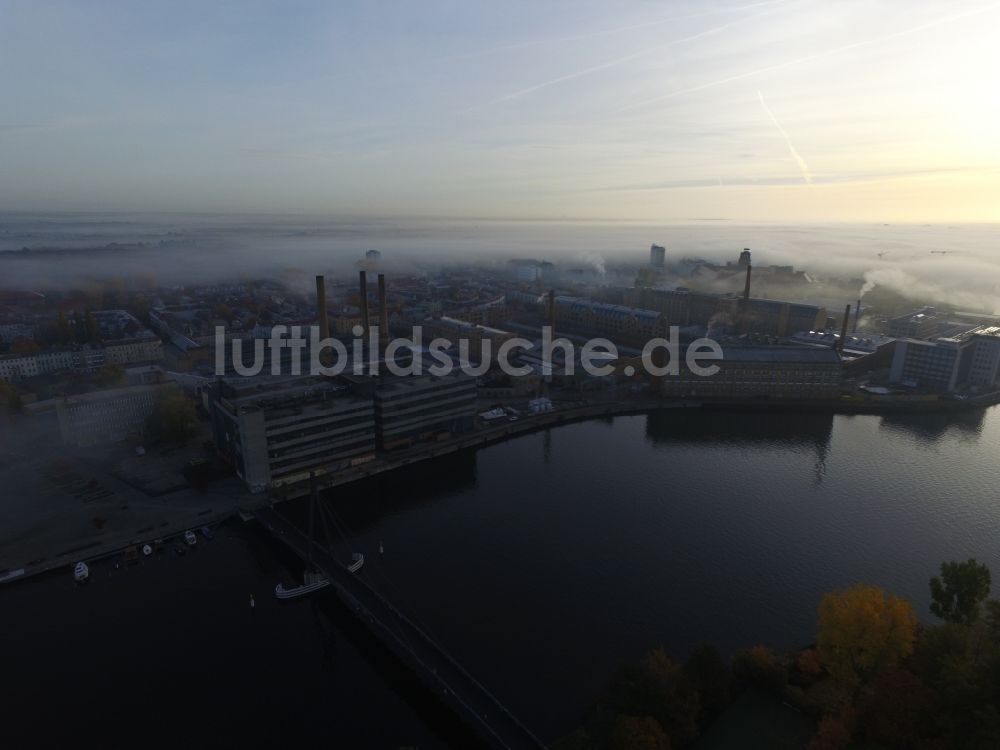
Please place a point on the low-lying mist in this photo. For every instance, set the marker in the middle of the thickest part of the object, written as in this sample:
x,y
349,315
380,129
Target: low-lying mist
x,y
957,264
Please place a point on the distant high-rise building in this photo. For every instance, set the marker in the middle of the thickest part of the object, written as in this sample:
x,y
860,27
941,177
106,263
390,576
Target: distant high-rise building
x,y
657,255
744,258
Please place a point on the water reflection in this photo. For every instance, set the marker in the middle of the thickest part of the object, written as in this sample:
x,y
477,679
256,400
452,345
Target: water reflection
x,y
774,428
361,505
966,426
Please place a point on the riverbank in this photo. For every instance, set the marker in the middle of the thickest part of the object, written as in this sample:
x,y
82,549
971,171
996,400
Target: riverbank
x,y
576,412
37,539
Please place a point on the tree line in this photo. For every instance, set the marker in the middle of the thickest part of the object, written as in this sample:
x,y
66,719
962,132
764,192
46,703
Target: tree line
x,y
874,679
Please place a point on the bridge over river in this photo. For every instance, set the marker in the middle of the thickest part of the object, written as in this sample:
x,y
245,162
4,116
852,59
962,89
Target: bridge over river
x,y
462,692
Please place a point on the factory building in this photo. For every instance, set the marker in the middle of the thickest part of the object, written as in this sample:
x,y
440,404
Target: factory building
x,y
924,323
278,430
756,372
682,307
455,330
619,323
423,407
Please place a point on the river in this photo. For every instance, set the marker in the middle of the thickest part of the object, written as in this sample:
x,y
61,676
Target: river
x,y
541,563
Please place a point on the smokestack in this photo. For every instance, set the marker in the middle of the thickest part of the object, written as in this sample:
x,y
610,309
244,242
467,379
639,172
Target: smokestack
x,y
552,314
843,329
383,316
746,286
324,321
363,304
857,315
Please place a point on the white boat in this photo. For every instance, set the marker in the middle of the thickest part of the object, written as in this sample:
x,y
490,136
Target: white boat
x,y
147,550
357,560
190,538
81,572
311,582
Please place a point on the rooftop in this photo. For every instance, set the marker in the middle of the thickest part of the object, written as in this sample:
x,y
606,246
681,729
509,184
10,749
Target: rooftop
x,y
801,354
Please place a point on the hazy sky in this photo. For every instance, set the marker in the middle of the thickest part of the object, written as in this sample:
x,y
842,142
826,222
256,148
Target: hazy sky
x,y
782,110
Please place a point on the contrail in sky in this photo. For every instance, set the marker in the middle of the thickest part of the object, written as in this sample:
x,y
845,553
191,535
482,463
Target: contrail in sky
x,y
627,58
815,56
617,30
791,147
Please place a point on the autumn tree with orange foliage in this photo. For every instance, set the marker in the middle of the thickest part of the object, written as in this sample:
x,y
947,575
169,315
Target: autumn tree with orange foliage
x,y
639,733
863,632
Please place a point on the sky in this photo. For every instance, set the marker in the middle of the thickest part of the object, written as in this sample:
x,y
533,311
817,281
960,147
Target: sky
x,y
747,110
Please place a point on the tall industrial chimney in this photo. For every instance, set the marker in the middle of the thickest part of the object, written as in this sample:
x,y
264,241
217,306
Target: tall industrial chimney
x,y
324,321
383,316
857,315
843,329
552,314
746,286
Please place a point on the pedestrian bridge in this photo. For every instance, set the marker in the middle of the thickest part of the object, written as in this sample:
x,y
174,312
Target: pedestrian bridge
x,y
462,692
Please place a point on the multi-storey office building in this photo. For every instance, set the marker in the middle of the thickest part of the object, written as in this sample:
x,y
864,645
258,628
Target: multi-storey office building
x,y
278,430
971,359
101,417
419,407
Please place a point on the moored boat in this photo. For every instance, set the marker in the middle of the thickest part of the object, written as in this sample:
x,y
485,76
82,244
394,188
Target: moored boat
x,y
357,560
311,582
81,573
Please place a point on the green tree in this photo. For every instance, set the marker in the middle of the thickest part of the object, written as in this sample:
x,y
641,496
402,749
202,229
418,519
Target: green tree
x,y
960,591
863,632
174,419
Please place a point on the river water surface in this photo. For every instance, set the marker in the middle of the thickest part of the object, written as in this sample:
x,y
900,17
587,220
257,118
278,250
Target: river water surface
x,y
541,563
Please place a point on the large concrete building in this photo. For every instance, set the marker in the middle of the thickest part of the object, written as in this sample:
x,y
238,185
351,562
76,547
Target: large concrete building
x,y
756,372
101,417
278,430
928,365
970,360
408,409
